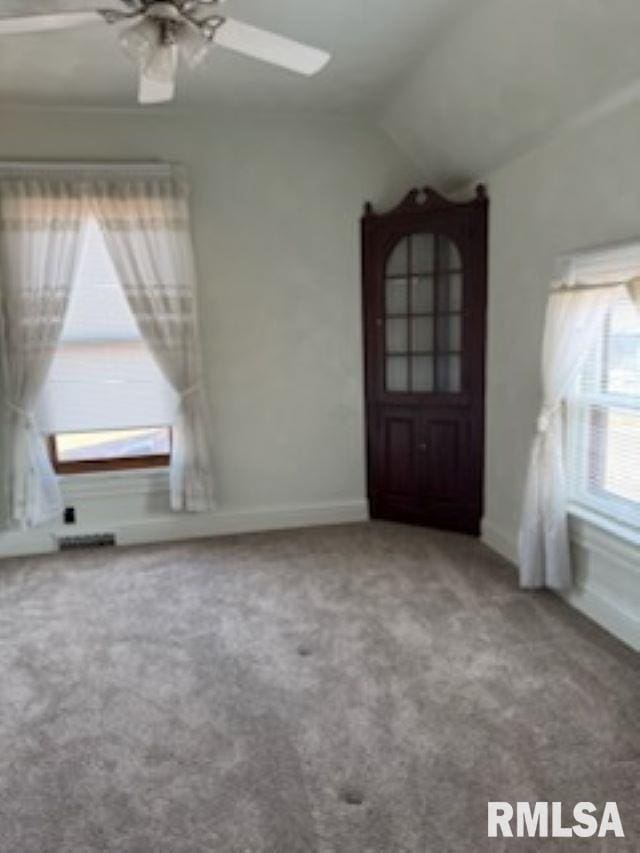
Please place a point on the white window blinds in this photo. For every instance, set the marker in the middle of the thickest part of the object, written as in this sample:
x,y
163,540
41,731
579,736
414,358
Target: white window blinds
x,y
103,375
604,420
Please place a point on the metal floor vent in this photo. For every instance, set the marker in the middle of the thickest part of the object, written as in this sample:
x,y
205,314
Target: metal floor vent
x,y
91,540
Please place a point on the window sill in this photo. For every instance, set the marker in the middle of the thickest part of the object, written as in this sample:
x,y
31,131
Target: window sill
x,y
598,532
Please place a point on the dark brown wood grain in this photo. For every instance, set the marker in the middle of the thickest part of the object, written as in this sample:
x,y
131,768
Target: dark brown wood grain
x,y
425,450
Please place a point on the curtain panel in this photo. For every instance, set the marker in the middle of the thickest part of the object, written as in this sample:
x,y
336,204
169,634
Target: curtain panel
x,y
585,286
147,232
40,227
634,292
145,220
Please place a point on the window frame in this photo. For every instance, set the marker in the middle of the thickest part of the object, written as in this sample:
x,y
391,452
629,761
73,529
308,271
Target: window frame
x,y
103,465
587,442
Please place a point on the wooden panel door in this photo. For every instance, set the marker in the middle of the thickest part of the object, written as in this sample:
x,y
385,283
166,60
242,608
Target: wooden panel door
x,y
424,287
396,468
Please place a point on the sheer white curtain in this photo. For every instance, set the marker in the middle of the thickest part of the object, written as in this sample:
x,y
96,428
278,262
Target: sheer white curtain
x,y
585,286
40,227
572,322
147,231
634,291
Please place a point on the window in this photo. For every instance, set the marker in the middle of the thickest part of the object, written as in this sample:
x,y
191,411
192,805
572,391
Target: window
x,y
97,450
604,420
105,405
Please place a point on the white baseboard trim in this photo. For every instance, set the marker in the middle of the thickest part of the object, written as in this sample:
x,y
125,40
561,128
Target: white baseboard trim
x,y
175,527
611,613
607,612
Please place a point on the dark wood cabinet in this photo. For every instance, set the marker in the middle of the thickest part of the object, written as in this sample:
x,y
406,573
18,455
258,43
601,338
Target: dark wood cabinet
x,y
424,291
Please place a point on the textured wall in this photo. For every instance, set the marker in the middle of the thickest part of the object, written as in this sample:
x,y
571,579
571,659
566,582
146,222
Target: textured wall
x,y
275,207
507,74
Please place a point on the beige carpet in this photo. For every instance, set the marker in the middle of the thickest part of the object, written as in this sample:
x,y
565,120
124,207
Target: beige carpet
x,y
364,689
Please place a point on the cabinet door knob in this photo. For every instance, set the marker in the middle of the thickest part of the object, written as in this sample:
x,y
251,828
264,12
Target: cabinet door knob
x,y
422,447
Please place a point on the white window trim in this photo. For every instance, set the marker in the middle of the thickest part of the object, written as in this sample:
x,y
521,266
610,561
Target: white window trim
x,y
611,514
582,514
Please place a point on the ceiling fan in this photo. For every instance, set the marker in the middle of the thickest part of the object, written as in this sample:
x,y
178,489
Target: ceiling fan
x,y
157,32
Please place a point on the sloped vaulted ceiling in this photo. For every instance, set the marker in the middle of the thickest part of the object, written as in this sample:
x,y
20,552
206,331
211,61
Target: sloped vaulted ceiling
x,y
460,85
507,75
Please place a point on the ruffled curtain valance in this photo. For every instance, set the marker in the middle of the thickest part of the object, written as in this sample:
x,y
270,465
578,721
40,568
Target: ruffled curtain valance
x,y
585,286
600,267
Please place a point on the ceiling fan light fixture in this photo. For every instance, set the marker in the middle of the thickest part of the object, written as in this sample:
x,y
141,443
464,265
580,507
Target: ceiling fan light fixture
x,y
160,30
208,26
162,64
194,45
141,40
154,91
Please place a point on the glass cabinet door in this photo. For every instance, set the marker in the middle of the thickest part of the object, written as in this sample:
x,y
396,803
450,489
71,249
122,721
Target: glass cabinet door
x,y
423,310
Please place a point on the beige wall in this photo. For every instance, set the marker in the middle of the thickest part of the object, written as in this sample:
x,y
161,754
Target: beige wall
x,y
581,189
275,204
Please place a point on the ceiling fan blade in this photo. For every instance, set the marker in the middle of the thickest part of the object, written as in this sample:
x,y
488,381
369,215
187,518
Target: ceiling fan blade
x,y
41,23
269,47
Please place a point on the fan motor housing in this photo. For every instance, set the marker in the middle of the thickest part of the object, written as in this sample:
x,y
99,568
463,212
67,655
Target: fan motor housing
x,y
163,11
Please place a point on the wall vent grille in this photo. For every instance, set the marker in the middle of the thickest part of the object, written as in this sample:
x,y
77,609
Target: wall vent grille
x,y
92,540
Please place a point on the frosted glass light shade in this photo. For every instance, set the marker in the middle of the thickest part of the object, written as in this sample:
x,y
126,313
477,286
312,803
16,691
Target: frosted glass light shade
x,y
155,91
162,64
141,40
193,45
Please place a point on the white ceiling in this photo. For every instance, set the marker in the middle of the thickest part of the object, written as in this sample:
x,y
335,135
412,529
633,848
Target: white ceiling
x,y
373,42
461,85
510,74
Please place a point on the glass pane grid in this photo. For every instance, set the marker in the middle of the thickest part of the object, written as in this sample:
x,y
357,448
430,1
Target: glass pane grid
x,y
415,352
448,374
423,316
422,333
398,260
416,273
397,296
422,253
406,316
422,373
397,373
397,335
